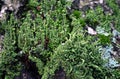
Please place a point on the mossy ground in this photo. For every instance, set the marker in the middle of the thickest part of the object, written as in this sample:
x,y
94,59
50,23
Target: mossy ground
x,y
48,39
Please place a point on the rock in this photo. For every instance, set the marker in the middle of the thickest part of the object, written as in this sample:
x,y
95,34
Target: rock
x,y
118,2
79,4
75,4
91,31
15,6
1,3
3,12
84,5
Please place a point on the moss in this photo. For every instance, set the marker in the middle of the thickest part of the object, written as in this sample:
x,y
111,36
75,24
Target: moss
x,y
50,41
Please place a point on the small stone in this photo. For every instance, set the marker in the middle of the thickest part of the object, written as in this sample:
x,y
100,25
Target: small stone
x,y
101,1
91,31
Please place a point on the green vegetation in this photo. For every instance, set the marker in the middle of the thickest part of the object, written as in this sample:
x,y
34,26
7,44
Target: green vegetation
x,y
48,38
